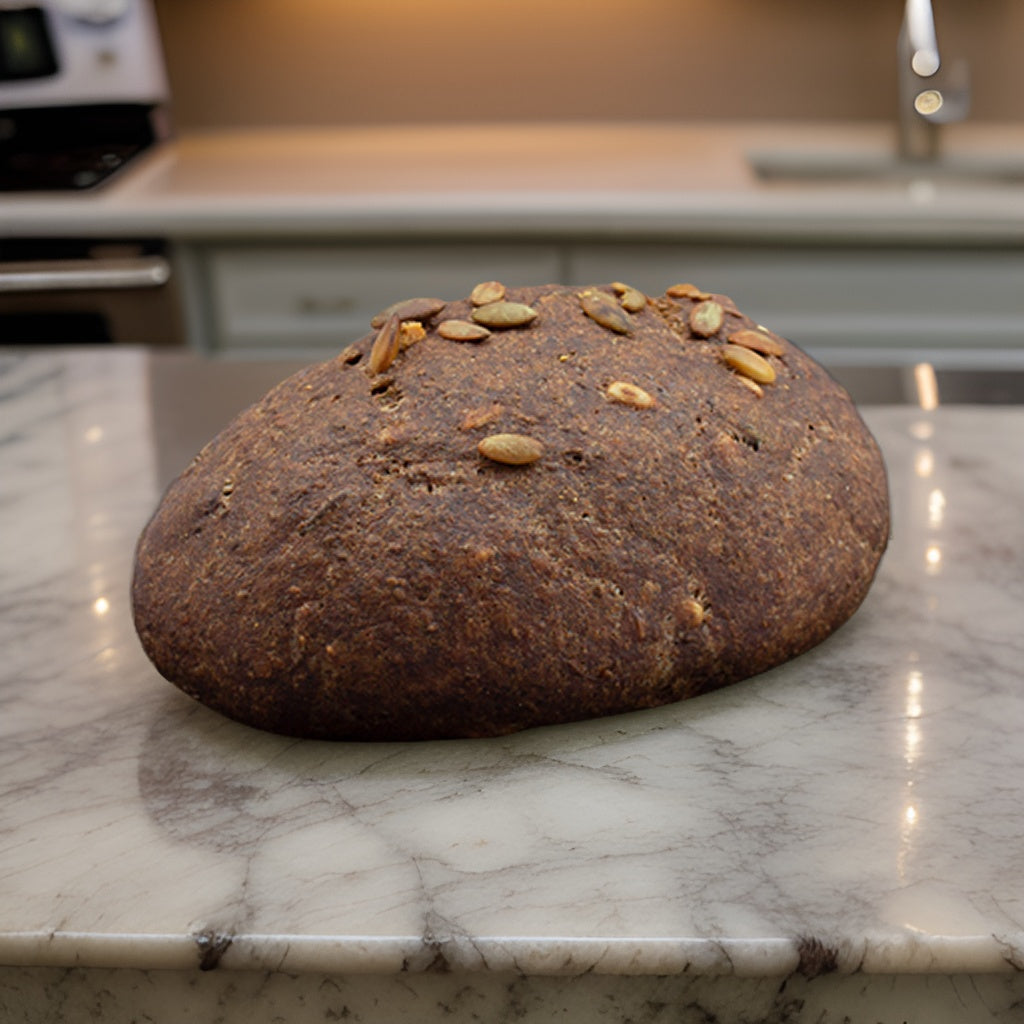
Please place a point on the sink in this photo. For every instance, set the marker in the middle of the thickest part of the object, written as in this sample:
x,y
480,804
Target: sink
x,y
810,165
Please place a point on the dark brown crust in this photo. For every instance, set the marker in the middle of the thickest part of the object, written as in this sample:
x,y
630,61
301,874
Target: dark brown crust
x,y
341,562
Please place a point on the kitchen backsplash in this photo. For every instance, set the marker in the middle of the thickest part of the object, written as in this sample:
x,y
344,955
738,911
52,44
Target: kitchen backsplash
x,y
338,62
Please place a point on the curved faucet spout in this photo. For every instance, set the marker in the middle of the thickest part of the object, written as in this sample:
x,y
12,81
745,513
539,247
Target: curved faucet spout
x,y
923,46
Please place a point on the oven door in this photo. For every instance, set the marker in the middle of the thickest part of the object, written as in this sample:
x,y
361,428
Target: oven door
x,y
76,292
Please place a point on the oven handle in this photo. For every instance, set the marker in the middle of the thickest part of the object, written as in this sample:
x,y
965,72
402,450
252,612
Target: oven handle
x,y
84,275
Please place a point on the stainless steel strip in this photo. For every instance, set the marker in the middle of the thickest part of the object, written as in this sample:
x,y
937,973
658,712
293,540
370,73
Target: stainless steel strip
x,y
87,275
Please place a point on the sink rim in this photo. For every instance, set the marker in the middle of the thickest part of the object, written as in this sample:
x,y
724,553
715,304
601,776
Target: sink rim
x,y
809,164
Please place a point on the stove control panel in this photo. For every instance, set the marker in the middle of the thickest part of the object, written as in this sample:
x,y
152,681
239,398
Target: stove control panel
x,y
56,53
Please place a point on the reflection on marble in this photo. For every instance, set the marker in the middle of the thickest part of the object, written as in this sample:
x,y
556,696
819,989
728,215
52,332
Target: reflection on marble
x,y
852,815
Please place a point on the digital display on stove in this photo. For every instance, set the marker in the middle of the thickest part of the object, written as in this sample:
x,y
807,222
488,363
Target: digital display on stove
x,y
25,47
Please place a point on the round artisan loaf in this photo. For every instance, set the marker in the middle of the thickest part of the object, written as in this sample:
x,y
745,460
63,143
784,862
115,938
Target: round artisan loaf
x,y
514,510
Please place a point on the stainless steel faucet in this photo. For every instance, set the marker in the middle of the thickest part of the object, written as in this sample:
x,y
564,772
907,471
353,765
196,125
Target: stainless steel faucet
x,y
929,94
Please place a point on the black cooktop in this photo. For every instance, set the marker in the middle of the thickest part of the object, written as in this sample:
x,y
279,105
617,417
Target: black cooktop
x,y
70,148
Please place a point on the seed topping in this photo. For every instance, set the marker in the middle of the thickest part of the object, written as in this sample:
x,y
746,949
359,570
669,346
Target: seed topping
x,y
409,332
409,309
486,292
749,384
686,291
604,310
385,345
631,299
633,395
691,613
757,341
462,330
748,363
511,449
706,318
501,315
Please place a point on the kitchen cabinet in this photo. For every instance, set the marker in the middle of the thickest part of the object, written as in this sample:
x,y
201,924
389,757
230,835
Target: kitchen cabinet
x,y
850,304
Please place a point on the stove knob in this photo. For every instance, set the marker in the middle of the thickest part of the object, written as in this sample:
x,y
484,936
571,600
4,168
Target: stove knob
x,y
95,12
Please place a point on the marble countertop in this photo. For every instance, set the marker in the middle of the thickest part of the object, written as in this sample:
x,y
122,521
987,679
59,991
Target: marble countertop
x,y
586,179
858,809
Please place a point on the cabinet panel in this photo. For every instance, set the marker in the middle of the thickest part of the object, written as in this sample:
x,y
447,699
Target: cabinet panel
x,y
856,298
292,298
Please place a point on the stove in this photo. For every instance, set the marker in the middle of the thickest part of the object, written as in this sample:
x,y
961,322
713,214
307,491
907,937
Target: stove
x,y
72,148
83,91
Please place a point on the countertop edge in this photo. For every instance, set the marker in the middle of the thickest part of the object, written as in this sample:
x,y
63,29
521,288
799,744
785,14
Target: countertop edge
x,y
525,956
320,182
527,216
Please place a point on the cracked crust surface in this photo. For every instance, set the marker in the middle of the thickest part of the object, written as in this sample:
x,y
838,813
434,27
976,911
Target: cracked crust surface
x,y
341,562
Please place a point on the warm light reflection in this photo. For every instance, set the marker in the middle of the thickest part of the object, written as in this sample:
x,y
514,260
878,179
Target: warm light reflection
x,y
936,507
94,434
927,386
913,710
922,430
911,741
933,559
924,462
101,606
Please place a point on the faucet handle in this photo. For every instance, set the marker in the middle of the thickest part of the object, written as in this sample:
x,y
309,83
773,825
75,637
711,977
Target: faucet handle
x,y
948,97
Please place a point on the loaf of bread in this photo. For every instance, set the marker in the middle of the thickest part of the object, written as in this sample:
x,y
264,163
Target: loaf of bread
x,y
520,508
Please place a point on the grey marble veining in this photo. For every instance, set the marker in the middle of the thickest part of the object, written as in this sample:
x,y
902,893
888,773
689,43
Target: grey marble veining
x,y
853,814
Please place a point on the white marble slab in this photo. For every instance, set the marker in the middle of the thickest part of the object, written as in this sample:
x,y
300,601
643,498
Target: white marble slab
x,y
856,812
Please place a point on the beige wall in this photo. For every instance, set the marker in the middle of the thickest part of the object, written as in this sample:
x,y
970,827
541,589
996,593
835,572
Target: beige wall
x,y
336,62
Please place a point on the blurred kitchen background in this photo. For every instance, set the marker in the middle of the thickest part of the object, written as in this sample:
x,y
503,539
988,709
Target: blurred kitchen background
x,y
303,163
247,63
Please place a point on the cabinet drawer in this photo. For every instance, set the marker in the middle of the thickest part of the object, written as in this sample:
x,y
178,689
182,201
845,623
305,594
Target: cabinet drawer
x,y
294,298
827,297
